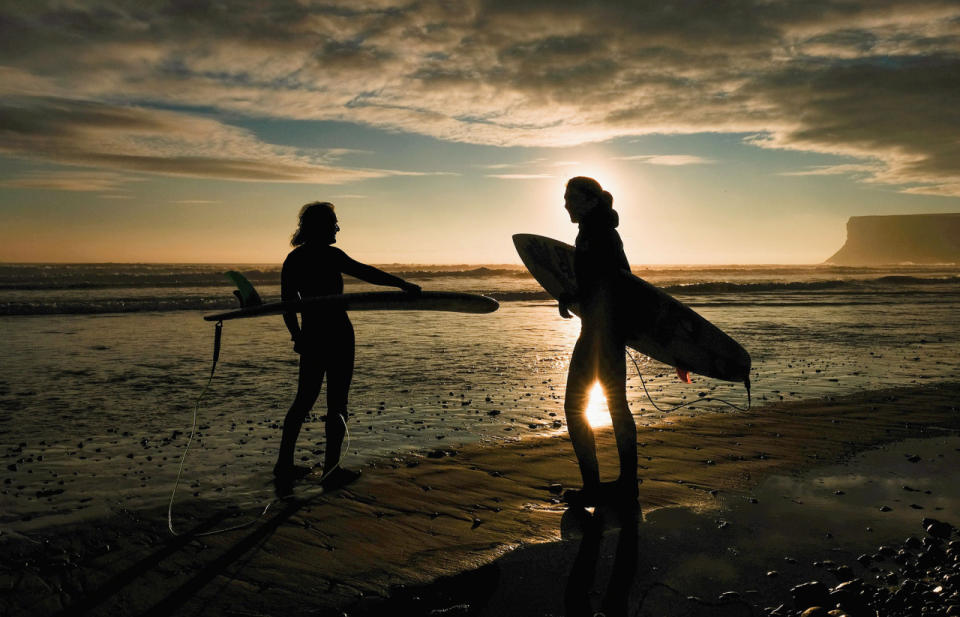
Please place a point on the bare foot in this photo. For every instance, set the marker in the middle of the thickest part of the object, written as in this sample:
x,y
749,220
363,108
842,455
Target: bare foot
x,y
338,478
620,492
582,497
293,472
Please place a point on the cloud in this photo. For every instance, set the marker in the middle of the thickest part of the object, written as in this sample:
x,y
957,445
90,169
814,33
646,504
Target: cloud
x,y
82,181
143,140
835,170
670,160
870,79
520,176
940,190
198,202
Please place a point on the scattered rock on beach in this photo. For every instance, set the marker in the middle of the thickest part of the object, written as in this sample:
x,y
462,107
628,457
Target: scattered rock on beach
x,y
810,594
937,529
925,581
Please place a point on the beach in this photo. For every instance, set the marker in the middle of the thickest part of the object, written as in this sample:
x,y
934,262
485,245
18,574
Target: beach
x,y
315,308
404,524
457,422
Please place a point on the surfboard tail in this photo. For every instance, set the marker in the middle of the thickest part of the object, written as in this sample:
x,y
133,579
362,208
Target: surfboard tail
x,y
244,292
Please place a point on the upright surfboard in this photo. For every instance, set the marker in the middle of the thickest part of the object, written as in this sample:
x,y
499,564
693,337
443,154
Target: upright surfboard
x,y
660,326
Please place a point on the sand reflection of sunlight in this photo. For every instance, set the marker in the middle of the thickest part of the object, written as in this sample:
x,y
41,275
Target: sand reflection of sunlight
x,y
597,414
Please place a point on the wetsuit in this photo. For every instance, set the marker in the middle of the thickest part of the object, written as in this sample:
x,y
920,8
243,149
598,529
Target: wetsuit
x,y
324,338
599,351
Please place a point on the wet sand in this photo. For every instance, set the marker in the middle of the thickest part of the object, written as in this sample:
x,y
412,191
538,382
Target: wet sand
x,y
404,524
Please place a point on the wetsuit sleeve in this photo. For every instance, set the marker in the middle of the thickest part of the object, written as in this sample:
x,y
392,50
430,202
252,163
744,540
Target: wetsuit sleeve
x,y
365,272
289,293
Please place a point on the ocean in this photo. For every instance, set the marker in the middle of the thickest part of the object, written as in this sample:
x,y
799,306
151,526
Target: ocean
x,y
101,366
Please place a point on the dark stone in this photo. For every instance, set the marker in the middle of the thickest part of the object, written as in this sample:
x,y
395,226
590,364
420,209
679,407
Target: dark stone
x,y
843,573
812,593
937,529
852,585
931,557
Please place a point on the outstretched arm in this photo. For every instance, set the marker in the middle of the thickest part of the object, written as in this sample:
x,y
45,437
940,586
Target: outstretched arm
x,y
375,275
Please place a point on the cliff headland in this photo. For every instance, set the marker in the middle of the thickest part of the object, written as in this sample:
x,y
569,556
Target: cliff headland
x,y
909,238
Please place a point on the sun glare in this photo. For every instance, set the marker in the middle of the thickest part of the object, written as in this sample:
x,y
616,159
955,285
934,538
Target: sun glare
x,y
597,414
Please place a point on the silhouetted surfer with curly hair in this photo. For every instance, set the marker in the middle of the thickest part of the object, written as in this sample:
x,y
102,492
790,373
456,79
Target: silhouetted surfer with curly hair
x,y
323,337
599,352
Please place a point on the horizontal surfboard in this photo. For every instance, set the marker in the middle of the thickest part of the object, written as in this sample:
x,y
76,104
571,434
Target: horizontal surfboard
x,y
370,301
658,325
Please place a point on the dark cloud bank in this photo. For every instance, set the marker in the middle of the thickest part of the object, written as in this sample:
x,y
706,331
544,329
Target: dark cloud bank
x,y
876,80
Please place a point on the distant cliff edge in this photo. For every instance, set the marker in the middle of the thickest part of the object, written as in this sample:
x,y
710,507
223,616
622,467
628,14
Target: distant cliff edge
x,y
913,238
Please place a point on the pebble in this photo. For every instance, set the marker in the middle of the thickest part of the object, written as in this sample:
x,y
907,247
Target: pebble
x,y
926,582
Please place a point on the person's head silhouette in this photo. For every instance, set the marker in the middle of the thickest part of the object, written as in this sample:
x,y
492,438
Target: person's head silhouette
x,y
583,196
317,223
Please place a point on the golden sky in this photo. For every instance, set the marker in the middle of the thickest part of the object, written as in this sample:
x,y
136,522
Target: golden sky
x,y
742,131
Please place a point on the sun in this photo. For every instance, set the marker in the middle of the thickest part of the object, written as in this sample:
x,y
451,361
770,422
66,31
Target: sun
x,y
597,414
605,171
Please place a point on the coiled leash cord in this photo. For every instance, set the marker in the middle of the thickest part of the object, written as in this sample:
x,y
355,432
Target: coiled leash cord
x,y
217,337
682,405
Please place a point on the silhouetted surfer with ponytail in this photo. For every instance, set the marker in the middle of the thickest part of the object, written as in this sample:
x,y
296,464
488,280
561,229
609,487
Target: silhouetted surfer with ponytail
x,y
599,352
323,337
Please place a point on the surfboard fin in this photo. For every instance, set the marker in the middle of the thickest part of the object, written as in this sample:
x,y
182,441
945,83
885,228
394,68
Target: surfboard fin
x,y
244,292
684,375
746,382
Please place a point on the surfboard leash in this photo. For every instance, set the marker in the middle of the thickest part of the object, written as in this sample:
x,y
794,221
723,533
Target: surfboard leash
x,y
682,405
217,339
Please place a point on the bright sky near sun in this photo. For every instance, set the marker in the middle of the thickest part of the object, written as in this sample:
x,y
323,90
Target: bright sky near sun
x,y
742,131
